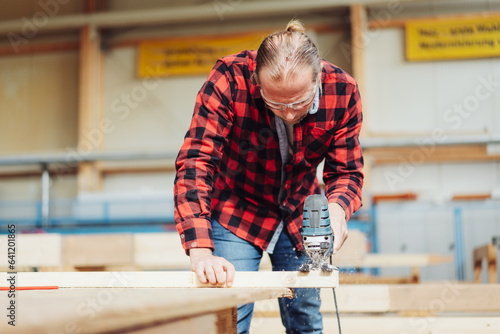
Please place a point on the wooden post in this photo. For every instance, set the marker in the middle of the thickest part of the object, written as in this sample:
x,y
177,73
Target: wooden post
x,y
358,34
90,135
488,252
358,40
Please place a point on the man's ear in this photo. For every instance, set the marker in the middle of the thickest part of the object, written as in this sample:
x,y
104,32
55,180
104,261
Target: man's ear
x,y
253,78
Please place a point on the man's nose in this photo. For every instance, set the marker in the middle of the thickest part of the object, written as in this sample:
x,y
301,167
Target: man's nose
x,y
289,114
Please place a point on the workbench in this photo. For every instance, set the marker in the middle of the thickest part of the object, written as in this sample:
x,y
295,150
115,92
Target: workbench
x,y
130,310
137,302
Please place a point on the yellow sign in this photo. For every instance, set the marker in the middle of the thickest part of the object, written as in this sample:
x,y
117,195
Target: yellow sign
x,y
453,38
190,56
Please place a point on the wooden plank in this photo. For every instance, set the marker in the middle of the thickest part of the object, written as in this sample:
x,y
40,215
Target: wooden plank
x,y
98,250
394,197
368,298
107,171
348,278
185,14
471,197
200,324
34,250
429,154
120,310
227,320
32,48
447,297
172,279
380,298
401,22
159,251
392,325
376,260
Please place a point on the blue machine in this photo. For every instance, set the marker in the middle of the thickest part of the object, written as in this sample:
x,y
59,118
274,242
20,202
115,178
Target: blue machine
x,y
317,235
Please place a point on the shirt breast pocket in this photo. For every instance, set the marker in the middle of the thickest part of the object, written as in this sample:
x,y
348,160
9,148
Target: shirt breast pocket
x,y
317,142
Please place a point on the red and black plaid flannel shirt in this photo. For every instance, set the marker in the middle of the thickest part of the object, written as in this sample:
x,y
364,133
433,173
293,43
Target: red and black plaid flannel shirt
x,y
229,167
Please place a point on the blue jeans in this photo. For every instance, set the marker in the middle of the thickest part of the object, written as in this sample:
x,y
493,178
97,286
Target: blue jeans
x,y
298,315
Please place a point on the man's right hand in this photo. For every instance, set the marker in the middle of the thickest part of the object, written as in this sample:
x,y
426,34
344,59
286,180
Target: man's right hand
x,y
210,268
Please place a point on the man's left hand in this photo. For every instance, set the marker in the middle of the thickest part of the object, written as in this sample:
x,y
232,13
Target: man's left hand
x,y
339,225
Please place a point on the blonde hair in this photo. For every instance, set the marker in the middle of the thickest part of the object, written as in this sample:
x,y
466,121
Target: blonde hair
x,y
286,53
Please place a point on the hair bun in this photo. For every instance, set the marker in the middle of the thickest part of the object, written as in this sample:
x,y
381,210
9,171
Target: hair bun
x,y
295,26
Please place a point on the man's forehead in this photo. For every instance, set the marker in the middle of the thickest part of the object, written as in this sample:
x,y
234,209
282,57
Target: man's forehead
x,y
303,75
289,90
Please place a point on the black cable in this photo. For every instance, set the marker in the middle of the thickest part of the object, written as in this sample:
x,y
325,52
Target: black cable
x,y
337,309
335,300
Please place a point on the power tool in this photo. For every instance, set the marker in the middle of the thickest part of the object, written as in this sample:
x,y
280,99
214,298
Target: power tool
x,y
317,238
317,235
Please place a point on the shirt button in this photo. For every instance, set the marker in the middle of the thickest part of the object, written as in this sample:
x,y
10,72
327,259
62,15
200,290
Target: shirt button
x,y
182,236
284,204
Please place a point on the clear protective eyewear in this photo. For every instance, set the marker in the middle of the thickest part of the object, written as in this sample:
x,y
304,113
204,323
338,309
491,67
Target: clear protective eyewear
x,y
294,105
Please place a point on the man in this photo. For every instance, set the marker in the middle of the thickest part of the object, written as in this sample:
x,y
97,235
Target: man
x,y
262,123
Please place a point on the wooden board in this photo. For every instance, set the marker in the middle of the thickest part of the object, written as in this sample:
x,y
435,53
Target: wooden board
x,y
373,260
120,310
391,325
159,250
33,250
98,249
201,324
173,279
427,298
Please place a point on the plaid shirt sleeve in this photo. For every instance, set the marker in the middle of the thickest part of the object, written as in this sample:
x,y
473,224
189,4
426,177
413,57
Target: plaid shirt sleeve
x,y
342,172
199,156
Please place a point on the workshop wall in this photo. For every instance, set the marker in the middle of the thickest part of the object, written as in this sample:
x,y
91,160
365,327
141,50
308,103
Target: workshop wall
x,y
400,99
39,98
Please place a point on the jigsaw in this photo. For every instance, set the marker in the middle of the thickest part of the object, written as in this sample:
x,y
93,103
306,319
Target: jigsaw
x,y
317,235
317,238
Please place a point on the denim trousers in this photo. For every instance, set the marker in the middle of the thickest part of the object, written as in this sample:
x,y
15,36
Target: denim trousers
x,y
300,314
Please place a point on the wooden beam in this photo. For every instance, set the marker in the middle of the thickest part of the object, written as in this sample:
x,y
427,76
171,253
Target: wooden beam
x,y
489,253
93,250
432,298
349,278
374,260
471,197
33,48
456,324
209,12
90,134
34,250
206,323
106,310
430,153
394,197
160,251
401,22
26,174
173,279
106,171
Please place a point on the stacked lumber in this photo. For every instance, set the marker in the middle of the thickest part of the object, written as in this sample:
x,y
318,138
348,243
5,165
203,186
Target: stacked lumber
x,y
436,308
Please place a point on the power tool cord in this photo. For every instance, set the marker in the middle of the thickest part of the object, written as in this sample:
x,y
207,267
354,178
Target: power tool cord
x,y
335,300
337,309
